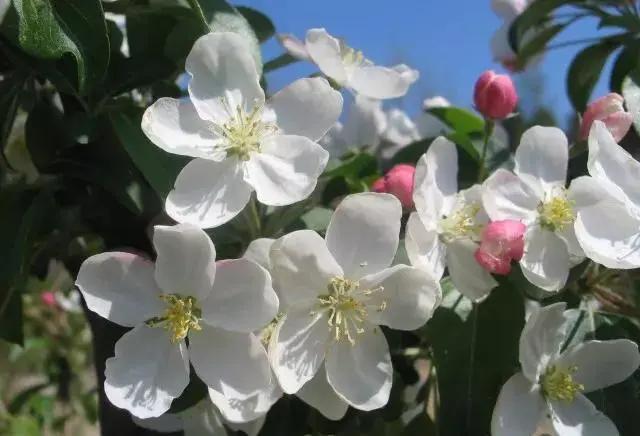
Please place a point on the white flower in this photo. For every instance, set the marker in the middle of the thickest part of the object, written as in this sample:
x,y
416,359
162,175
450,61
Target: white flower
x,y
240,142
317,392
336,292
199,420
608,221
293,46
363,126
445,229
349,68
184,295
536,195
121,21
552,381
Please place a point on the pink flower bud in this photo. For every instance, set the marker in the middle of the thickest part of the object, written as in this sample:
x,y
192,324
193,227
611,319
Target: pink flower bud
x,y
48,298
502,242
399,182
495,96
610,111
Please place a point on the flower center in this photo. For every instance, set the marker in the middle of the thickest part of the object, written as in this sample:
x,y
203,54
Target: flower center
x,y
556,213
181,315
244,131
461,223
558,384
346,303
267,332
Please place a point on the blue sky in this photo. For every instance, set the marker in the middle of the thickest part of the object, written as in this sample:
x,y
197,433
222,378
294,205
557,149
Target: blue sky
x,y
447,41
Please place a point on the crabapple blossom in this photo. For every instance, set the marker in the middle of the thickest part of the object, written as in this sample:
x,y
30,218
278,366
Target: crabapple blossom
x,y
293,46
184,295
446,226
535,194
608,221
502,242
337,291
495,96
399,182
240,142
610,110
553,381
349,68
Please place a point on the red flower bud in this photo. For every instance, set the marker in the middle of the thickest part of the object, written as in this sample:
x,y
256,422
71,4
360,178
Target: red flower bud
x,y
502,242
495,96
610,111
399,182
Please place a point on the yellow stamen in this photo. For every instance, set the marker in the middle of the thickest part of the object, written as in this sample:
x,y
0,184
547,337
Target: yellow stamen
x,y
181,315
244,131
558,384
267,332
461,223
556,213
346,304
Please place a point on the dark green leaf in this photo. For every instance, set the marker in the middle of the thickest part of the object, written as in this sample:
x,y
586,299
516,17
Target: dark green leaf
x,y
10,88
158,167
22,224
538,43
279,62
49,30
460,120
626,61
585,70
260,23
536,14
44,133
317,219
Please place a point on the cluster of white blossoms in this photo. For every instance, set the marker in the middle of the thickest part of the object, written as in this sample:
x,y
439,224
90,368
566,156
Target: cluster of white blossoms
x,y
303,314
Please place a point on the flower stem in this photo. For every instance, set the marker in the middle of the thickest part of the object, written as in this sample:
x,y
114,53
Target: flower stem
x,y
488,131
198,10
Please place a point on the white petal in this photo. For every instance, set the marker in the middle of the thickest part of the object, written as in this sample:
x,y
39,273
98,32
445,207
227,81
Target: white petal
x,y
251,428
120,287
424,248
580,418
258,251
186,261
400,129
175,126
599,364
365,123
286,170
541,339
302,266
325,52
208,194
380,82
611,164
609,234
519,408
298,346
243,299
319,394
238,411
542,157
436,180
545,262
500,47
203,419
364,232
308,107
361,374
468,277
234,365
409,297
147,372
586,191
293,46
505,196
221,65
429,126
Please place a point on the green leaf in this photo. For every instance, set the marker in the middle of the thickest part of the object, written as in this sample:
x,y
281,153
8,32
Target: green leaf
x,y
159,168
261,24
10,88
469,381
538,43
49,30
631,93
585,70
281,61
317,219
44,133
460,120
22,224
626,61
536,14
